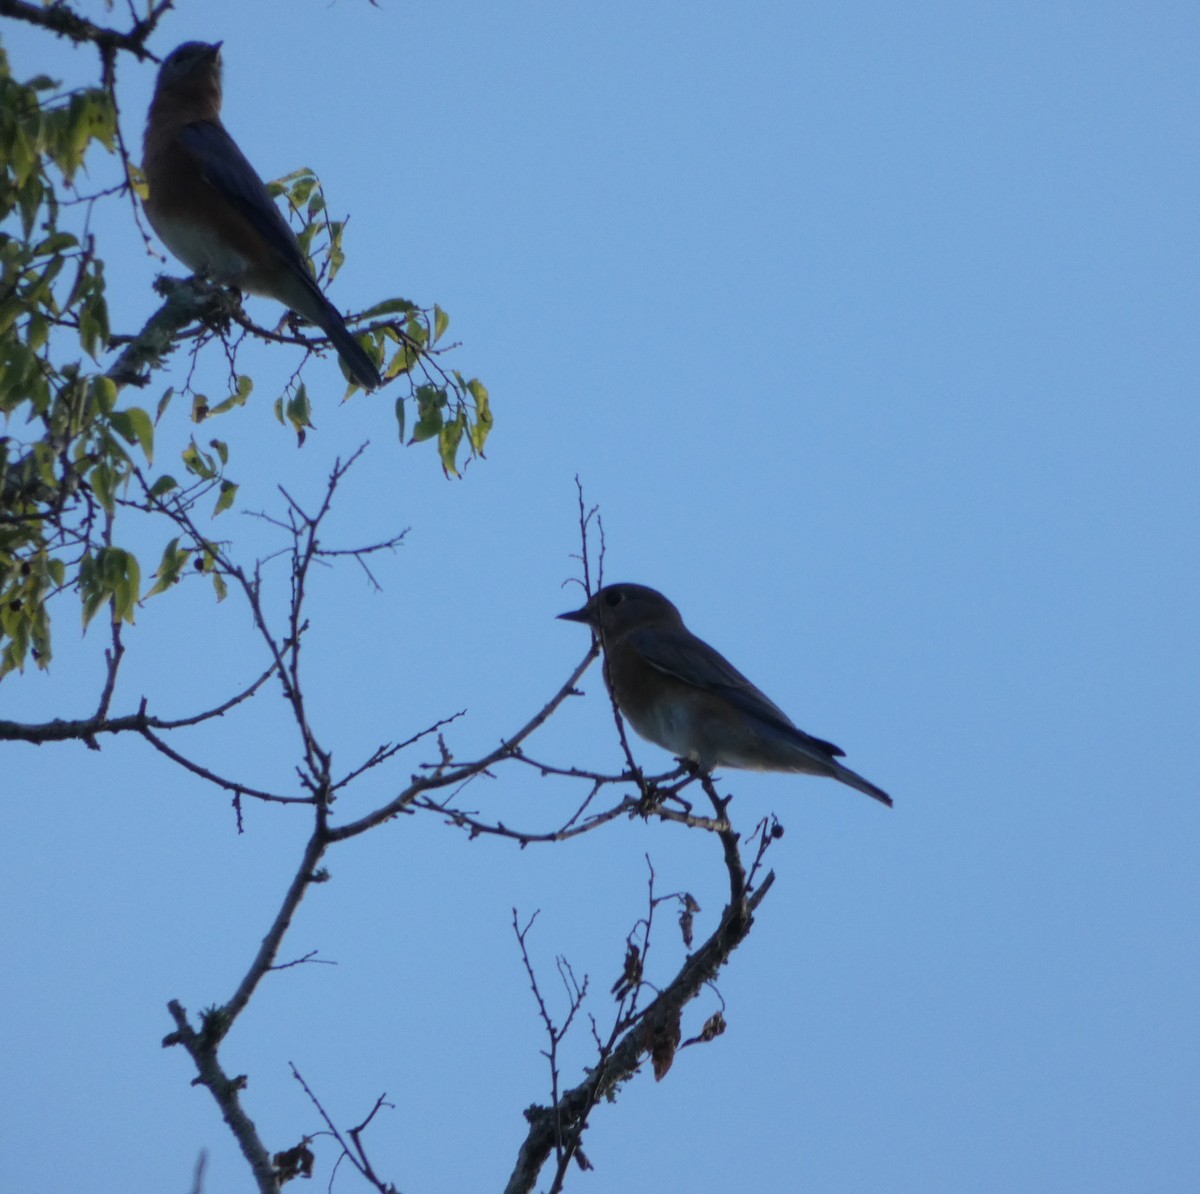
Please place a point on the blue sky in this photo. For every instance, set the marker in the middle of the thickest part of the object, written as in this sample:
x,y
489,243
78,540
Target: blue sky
x,y
873,331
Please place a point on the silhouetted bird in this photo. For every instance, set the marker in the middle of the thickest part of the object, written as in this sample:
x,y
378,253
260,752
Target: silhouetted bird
x,y
679,693
213,211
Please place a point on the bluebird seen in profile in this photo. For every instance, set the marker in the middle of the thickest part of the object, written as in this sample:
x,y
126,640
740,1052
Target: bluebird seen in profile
x,y
680,694
212,210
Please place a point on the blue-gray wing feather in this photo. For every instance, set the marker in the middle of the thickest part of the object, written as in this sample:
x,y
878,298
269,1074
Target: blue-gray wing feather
x,y
693,661
226,168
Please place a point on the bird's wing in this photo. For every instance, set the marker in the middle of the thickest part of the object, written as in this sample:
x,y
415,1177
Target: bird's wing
x,y
226,168
693,661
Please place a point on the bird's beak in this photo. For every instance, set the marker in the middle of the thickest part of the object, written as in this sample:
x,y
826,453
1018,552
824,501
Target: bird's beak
x,y
576,615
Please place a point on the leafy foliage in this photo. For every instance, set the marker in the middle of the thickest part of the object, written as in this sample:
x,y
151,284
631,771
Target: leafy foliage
x,y
76,457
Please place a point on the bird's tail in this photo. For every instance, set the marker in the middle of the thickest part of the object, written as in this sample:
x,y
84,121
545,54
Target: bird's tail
x,y
863,785
309,301
358,364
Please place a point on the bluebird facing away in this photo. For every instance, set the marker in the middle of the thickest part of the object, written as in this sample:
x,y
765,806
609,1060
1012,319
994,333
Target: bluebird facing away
x,y
213,211
679,693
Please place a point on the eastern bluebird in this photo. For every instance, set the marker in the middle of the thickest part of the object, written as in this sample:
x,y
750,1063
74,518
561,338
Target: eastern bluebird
x,y
679,693
213,211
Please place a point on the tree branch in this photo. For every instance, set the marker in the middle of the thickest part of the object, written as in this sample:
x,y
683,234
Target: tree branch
x,y
459,775
66,22
202,1048
567,1118
188,301
305,874
61,730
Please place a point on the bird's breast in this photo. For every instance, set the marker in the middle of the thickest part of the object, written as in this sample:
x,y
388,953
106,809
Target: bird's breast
x,y
200,247
660,708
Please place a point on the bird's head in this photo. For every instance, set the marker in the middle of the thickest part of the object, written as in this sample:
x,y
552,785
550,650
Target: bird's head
x,y
192,71
615,609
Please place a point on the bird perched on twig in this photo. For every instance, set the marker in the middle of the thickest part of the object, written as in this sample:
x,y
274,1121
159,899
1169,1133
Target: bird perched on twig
x,y
682,695
213,211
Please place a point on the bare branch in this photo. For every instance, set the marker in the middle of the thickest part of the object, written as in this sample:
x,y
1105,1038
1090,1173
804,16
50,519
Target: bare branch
x,y
198,1173
309,959
567,1118
458,775
113,660
202,1048
575,826
357,1156
383,753
66,22
238,788
576,993
61,730
306,874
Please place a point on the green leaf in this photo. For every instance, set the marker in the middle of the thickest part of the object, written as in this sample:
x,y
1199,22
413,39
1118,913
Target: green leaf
x,y
400,417
127,584
163,485
480,430
237,398
89,588
11,309
479,392
430,403
37,331
428,425
42,291
103,479
336,257
54,243
299,411
135,426
406,357
164,402
112,574
393,306
448,441
417,331
300,190
93,326
225,497
137,180
220,586
482,426
198,463
18,367
16,629
104,393
441,321
170,568
116,455
30,193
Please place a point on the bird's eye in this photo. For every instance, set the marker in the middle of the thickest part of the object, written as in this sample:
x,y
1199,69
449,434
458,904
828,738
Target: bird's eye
x,y
614,597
